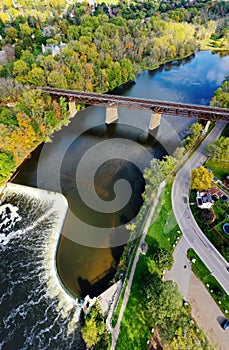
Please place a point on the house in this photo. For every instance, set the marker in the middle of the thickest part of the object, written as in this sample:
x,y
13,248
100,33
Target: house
x,y
226,181
204,200
215,193
53,48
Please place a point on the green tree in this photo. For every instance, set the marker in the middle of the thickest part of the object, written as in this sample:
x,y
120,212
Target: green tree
x,y
11,34
167,165
154,174
201,178
163,259
179,153
7,117
195,133
90,333
188,338
57,79
7,164
94,331
219,149
37,77
206,215
20,67
169,303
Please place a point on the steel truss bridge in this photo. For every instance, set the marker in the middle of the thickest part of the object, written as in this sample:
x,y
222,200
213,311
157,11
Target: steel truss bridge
x,y
161,107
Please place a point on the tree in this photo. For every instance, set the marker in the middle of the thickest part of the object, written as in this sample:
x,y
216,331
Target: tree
x,y
201,178
20,68
188,338
167,165
57,79
94,331
206,216
195,130
163,259
7,117
90,333
154,174
11,35
219,149
7,164
37,77
10,90
179,153
169,304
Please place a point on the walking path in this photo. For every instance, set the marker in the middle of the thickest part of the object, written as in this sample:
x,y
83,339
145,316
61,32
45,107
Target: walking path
x,y
116,329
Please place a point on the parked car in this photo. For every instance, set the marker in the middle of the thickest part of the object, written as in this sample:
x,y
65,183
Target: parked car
x,y
225,324
227,268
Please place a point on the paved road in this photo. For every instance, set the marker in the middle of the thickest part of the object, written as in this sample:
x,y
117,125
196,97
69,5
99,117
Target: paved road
x,y
181,269
191,231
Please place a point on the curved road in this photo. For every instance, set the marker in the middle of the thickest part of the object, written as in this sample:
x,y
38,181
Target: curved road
x,y
191,231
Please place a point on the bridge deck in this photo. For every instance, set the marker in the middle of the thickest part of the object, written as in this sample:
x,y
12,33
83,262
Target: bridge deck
x,y
163,107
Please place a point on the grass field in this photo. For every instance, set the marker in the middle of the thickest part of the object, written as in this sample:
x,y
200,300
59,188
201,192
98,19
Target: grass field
x,y
220,169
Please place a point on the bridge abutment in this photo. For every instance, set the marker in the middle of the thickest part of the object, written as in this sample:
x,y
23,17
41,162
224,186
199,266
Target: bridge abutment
x,y
72,107
111,114
155,120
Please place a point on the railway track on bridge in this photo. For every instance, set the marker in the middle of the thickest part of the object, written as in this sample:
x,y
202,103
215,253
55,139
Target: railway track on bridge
x,y
162,107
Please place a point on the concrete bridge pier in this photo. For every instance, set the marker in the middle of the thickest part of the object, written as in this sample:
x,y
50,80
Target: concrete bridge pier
x,y
111,115
72,107
155,120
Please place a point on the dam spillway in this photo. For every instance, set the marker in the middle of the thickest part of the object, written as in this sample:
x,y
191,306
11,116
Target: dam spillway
x,y
36,311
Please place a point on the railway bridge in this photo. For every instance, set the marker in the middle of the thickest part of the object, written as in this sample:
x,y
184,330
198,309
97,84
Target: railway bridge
x,y
157,108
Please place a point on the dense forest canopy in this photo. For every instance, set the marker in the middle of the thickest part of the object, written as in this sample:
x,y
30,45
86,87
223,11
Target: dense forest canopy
x,y
83,47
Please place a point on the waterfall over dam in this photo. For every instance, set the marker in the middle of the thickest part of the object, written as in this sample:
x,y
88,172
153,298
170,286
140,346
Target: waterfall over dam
x,y
36,311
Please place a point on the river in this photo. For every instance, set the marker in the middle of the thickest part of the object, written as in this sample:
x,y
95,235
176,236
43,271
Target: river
x,y
99,170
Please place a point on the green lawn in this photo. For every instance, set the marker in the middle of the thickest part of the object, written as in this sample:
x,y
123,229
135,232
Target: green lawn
x,y
163,230
210,282
220,229
135,327
220,169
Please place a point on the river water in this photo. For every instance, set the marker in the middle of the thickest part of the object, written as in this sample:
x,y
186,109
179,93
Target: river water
x,y
99,170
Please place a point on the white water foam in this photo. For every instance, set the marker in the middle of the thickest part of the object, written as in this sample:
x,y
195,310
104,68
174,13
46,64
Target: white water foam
x,y
66,306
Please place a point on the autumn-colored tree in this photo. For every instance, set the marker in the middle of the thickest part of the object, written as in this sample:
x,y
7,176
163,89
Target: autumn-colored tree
x,y
94,331
201,178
